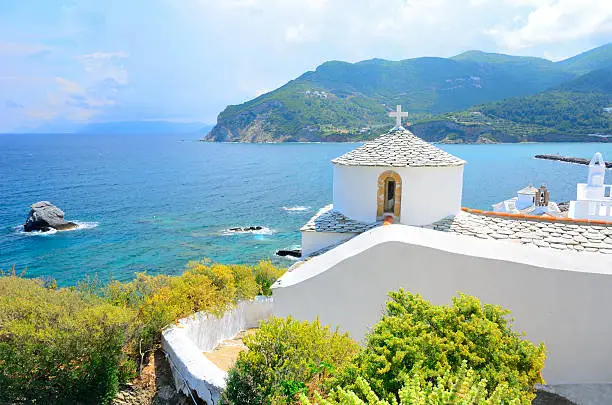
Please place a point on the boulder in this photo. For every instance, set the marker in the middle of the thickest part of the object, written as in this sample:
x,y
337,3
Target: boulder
x,y
289,252
45,216
246,229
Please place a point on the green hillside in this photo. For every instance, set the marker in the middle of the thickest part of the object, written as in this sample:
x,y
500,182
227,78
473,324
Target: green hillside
x,y
349,101
580,109
588,61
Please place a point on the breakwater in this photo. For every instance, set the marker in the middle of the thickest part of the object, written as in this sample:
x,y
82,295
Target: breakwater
x,y
568,159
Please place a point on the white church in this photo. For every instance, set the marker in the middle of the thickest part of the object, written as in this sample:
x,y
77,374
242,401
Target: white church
x,y
398,177
530,200
397,222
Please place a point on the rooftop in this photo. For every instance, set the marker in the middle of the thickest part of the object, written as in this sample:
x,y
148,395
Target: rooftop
x,y
528,190
398,148
544,233
328,220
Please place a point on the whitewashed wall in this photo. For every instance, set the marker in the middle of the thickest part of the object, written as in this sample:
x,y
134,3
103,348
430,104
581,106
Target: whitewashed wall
x,y
561,298
430,193
356,188
314,241
186,343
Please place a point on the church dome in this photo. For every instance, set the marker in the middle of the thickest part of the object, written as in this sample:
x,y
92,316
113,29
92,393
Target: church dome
x,y
398,148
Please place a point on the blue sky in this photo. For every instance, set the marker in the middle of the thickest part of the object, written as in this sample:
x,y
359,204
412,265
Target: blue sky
x,y
64,63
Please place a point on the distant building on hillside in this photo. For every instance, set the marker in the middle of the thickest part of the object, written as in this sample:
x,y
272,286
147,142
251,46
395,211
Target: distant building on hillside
x,y
594,198
531,201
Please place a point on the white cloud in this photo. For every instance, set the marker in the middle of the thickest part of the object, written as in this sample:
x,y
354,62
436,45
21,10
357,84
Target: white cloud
x,y
552,22
68,86
296,33
106,65
15,49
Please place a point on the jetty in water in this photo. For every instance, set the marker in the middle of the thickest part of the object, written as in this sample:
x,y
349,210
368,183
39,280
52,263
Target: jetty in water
x,y
568,159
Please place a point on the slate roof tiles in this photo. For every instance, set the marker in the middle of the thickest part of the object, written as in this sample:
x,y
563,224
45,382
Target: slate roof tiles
x,y
398,148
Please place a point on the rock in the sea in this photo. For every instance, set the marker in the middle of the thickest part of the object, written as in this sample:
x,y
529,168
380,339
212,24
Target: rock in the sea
x,y
45,216
246,229
289,252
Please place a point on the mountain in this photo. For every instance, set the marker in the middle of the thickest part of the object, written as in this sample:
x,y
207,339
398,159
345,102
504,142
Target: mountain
x,y
577,110
588,61
350,101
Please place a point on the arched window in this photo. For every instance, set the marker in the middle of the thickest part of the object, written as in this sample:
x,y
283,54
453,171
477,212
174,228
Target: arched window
x,y
389,194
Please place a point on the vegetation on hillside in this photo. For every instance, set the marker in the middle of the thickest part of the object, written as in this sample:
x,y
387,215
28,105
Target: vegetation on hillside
x,y
579,110
78,344
418,353
341,101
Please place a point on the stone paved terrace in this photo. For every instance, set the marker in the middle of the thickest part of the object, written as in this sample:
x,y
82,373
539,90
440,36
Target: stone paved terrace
x,y
540,232
328,220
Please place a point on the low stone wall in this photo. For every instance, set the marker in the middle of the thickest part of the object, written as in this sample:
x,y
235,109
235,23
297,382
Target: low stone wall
x,y
186,343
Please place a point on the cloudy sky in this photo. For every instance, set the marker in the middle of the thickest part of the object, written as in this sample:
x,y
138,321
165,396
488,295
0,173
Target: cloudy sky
x,y
66,62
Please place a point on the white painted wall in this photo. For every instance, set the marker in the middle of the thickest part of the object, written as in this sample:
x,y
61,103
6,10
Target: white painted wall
x,y
561,298
428,193
314,241
186,343
355,189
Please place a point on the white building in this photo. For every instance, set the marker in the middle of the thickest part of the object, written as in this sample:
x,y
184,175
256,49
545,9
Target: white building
x,y
397,176
554,274
531,201
594,198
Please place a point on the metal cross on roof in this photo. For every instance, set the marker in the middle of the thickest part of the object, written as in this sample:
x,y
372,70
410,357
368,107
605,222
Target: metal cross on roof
x,y
398,114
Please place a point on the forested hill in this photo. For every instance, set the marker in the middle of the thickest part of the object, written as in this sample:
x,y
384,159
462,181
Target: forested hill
x,y
578,110
349,101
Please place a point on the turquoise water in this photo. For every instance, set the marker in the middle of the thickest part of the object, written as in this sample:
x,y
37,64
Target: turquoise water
x,y
155,202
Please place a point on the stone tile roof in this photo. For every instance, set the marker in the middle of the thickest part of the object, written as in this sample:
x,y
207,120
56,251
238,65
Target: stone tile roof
x,y
328,220
398,148
547,234
528,190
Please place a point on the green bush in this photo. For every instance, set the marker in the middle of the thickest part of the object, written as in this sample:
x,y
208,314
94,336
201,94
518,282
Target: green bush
x,y
414,333
452,388
286,357
78,344
58,347
204,286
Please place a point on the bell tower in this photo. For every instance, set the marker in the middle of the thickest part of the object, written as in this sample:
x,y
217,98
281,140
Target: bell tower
x,y
597,171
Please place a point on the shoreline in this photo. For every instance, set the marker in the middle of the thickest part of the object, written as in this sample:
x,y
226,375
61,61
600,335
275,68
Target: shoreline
x,y
432,142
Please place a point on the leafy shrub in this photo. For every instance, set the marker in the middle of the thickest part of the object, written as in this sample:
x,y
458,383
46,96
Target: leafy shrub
x,y
286,357
452,388
204,286
265,275
77,344
57,347
414,333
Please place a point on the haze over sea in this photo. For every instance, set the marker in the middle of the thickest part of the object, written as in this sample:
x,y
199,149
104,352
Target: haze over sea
x,y
155,202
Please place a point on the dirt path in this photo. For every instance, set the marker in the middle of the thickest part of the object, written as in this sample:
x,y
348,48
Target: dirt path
x,y
154,387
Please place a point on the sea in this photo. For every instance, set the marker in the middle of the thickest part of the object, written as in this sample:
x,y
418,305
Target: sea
x,y
155,202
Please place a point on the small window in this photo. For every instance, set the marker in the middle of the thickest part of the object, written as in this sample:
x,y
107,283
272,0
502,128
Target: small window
x,y
391,190
608,192
390,196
